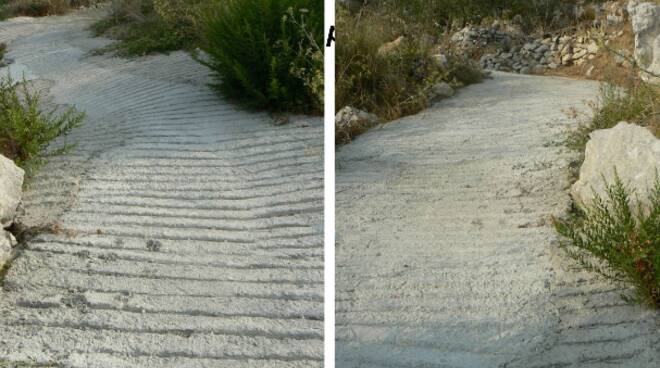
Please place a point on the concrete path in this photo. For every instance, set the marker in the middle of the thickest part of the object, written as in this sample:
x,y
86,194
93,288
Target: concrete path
x,y
444,254
189,232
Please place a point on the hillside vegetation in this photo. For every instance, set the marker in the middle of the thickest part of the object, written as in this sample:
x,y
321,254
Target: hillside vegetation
x,y
396,84
40,8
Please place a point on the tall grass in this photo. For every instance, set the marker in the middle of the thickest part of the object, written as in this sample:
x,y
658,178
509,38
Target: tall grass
x,y
628,99
390,84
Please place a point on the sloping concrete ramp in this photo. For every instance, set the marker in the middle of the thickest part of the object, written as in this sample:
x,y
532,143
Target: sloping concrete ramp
x,y
444,253
188,232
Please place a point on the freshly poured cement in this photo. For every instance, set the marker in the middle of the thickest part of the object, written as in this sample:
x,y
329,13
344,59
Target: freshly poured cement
x,y
188,232
445,257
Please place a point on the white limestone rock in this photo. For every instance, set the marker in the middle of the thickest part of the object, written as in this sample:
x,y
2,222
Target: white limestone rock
x,y
645,18
629,149
11,190
7,243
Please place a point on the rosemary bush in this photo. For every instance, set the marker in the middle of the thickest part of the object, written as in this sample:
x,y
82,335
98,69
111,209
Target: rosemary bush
x,y
26,129
619,239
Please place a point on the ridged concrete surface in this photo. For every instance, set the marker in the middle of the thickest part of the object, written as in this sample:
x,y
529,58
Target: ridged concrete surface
x,y
444,254
189,232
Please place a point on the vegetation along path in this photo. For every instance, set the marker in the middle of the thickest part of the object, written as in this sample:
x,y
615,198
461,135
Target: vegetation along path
x,y
445,257
188,232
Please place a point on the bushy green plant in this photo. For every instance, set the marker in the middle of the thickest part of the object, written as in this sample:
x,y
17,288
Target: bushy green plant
x,y
26,129
618,239
266,53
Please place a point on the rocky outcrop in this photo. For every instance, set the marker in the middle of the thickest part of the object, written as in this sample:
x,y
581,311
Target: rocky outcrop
x,y
11,186
11,191
615,12
627,150
522,54
541,54
350,122
470,36
645,18
511,50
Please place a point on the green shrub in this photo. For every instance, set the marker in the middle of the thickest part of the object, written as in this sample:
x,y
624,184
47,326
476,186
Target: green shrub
x,y
26,129
267,53
619,240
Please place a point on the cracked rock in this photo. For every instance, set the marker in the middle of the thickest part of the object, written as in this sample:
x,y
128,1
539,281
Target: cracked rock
x,y
11,190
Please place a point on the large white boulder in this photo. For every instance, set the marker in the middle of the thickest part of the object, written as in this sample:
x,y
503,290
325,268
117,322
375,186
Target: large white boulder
x,y
645,18
11,190
630,149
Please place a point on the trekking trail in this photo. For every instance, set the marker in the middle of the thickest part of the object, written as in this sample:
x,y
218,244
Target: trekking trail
x,y
187,232
445,252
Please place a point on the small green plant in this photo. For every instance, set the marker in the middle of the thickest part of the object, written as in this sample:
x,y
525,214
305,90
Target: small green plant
x,y
26,129
618,239
266,53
